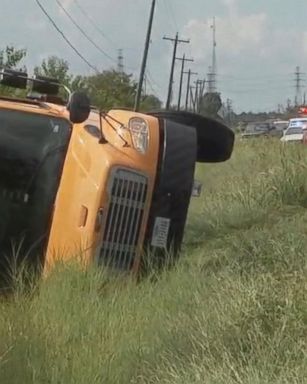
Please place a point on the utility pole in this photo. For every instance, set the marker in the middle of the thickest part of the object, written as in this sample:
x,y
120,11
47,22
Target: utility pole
x,y
197,97
144,60
120,61
189,73
170,85
183,60
202,88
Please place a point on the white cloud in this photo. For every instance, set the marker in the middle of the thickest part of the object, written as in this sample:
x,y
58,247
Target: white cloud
x,y
236,34
231,5
67,3
250,50
304,38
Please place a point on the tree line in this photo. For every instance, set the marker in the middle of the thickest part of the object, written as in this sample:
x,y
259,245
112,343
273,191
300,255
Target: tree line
x,y
108,89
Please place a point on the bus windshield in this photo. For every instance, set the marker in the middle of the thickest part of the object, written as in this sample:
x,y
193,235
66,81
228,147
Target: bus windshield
x,y
32,152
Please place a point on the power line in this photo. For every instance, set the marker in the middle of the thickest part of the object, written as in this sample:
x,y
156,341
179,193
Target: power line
x,y
169,2
151,86
169,10
84,33
149,75
145,55
64,37
275,76
99,30
155,87
266,85
254,83
265,92
93,22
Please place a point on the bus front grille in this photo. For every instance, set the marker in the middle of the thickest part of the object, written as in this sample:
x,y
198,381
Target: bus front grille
x,y
127,195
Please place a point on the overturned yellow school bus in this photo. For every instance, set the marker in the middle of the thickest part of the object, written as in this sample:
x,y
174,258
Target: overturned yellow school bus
x,y
108,186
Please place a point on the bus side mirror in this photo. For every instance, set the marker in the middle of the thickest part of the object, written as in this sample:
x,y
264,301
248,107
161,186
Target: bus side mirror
x,y
79,107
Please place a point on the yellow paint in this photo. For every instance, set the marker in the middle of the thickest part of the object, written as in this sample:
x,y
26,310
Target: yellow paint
x,y
82,189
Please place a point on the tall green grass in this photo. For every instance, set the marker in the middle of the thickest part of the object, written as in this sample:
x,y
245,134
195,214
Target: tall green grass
x,y
233,310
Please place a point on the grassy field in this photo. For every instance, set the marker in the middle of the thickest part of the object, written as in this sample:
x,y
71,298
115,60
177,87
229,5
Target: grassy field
x,y
234,310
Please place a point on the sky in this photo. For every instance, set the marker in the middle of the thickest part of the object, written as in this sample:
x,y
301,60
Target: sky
x,y
259,42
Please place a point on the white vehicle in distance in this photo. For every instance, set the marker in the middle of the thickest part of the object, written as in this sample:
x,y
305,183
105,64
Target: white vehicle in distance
x,y
294,132
280,126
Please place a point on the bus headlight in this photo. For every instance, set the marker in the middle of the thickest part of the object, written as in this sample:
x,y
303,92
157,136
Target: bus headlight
x,y
140,134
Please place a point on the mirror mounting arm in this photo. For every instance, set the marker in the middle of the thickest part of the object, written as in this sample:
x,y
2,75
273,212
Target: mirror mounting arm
x,y
102,139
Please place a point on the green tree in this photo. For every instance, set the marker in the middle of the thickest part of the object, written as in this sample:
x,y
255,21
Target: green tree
x,y
78,83
150,103
11,58
111,89
55,68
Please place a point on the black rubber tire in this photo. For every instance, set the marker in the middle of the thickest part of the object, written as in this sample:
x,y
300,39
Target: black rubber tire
x,y
215,140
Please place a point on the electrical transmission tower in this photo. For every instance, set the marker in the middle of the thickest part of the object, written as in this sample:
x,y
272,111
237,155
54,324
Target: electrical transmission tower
x,y
211,76
120,61
298,86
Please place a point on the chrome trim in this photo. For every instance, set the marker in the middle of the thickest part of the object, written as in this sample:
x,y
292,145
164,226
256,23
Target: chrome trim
x,y
127,190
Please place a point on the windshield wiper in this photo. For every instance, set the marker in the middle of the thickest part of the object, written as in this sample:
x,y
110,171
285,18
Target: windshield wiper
x,y
107,118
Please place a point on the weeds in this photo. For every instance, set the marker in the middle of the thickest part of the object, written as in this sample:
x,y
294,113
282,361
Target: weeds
x,y
233,310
